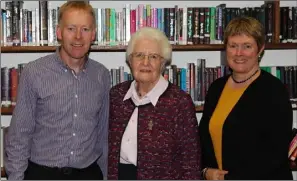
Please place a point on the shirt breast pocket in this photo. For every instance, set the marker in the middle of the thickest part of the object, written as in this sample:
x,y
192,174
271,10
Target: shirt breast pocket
x,y
53,94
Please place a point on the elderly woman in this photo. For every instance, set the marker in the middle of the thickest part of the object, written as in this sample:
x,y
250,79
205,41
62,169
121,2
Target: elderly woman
x,y
153,130
247,120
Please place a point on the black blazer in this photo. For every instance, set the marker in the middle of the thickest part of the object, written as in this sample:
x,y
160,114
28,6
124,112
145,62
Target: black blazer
x,y
256,133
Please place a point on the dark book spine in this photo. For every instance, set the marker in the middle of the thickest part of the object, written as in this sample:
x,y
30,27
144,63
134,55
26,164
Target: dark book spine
x,y
294,23
43,22
180,25
176,24
5,87
269,14
29,16
295,81
195,26
201,25
16,6
284,24
172,25
174,74
290,25
207,26
167,22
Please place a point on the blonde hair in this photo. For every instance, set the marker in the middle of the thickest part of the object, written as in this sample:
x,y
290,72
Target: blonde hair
x,y
77,5
153,34
248,26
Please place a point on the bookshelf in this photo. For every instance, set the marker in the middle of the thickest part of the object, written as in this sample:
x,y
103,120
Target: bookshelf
x,y
122,48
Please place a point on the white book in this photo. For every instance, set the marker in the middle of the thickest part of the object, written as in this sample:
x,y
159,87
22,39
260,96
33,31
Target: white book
x,y
33,43
99,26
127,17
37,27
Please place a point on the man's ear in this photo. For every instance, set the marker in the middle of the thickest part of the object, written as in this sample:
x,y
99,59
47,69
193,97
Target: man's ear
x,y
59,32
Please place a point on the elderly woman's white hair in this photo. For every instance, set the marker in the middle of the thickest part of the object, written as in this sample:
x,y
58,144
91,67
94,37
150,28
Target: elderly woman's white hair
x,y
154,34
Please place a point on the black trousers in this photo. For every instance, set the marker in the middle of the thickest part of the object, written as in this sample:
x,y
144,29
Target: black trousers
x,y
40,172
127,172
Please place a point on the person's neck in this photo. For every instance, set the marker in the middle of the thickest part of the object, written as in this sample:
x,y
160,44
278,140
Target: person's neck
x,y
243,80
144,88
245,77
75,64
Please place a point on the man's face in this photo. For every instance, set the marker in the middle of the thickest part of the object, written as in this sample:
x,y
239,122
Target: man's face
x,y
76,32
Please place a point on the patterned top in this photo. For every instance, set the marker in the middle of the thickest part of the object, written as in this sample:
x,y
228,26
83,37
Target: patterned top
x,y
60,118
171,149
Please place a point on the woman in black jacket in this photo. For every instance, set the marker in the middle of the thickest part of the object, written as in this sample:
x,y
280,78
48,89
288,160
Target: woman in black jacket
x,y
247,120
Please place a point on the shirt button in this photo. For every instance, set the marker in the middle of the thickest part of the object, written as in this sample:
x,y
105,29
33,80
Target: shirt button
x,y
73,134
76,96
75,115
71,153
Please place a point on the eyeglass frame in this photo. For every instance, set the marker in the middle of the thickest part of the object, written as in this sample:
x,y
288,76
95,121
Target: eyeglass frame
x,y
143,55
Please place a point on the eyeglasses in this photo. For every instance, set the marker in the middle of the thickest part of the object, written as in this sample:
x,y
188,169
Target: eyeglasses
x,y
139,56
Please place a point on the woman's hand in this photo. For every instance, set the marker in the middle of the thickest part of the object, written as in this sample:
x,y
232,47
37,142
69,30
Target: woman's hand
x,y
215,174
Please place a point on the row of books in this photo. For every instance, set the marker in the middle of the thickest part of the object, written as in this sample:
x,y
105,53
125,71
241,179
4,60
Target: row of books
x,y
182,25
194,79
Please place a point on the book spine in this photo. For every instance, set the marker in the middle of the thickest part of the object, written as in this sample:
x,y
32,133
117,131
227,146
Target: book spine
x,y
190,26
195,26
4,27
99,27
202,25
25,26
43,22
127,17
16,23
33,28
207,26
185,27
8,7
112,26
29,16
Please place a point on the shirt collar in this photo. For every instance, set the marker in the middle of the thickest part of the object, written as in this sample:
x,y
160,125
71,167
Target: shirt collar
x,y
152,95
65,66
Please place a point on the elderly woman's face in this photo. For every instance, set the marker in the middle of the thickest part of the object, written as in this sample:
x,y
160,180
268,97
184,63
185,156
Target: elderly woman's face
x,y
146,61
242,53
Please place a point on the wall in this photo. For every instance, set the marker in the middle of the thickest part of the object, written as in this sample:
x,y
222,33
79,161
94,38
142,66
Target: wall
x,y
115,59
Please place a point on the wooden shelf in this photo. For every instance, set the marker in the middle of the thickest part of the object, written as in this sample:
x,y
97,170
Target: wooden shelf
x,y
122,48
6,110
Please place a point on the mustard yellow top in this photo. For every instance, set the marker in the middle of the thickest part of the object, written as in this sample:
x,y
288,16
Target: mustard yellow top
x,y
228,99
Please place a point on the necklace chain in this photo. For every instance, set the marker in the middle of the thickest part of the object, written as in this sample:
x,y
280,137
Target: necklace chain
x,y
242,81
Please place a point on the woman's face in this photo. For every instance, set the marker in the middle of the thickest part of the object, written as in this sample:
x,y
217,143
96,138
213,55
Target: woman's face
x,y
146,60
242,54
